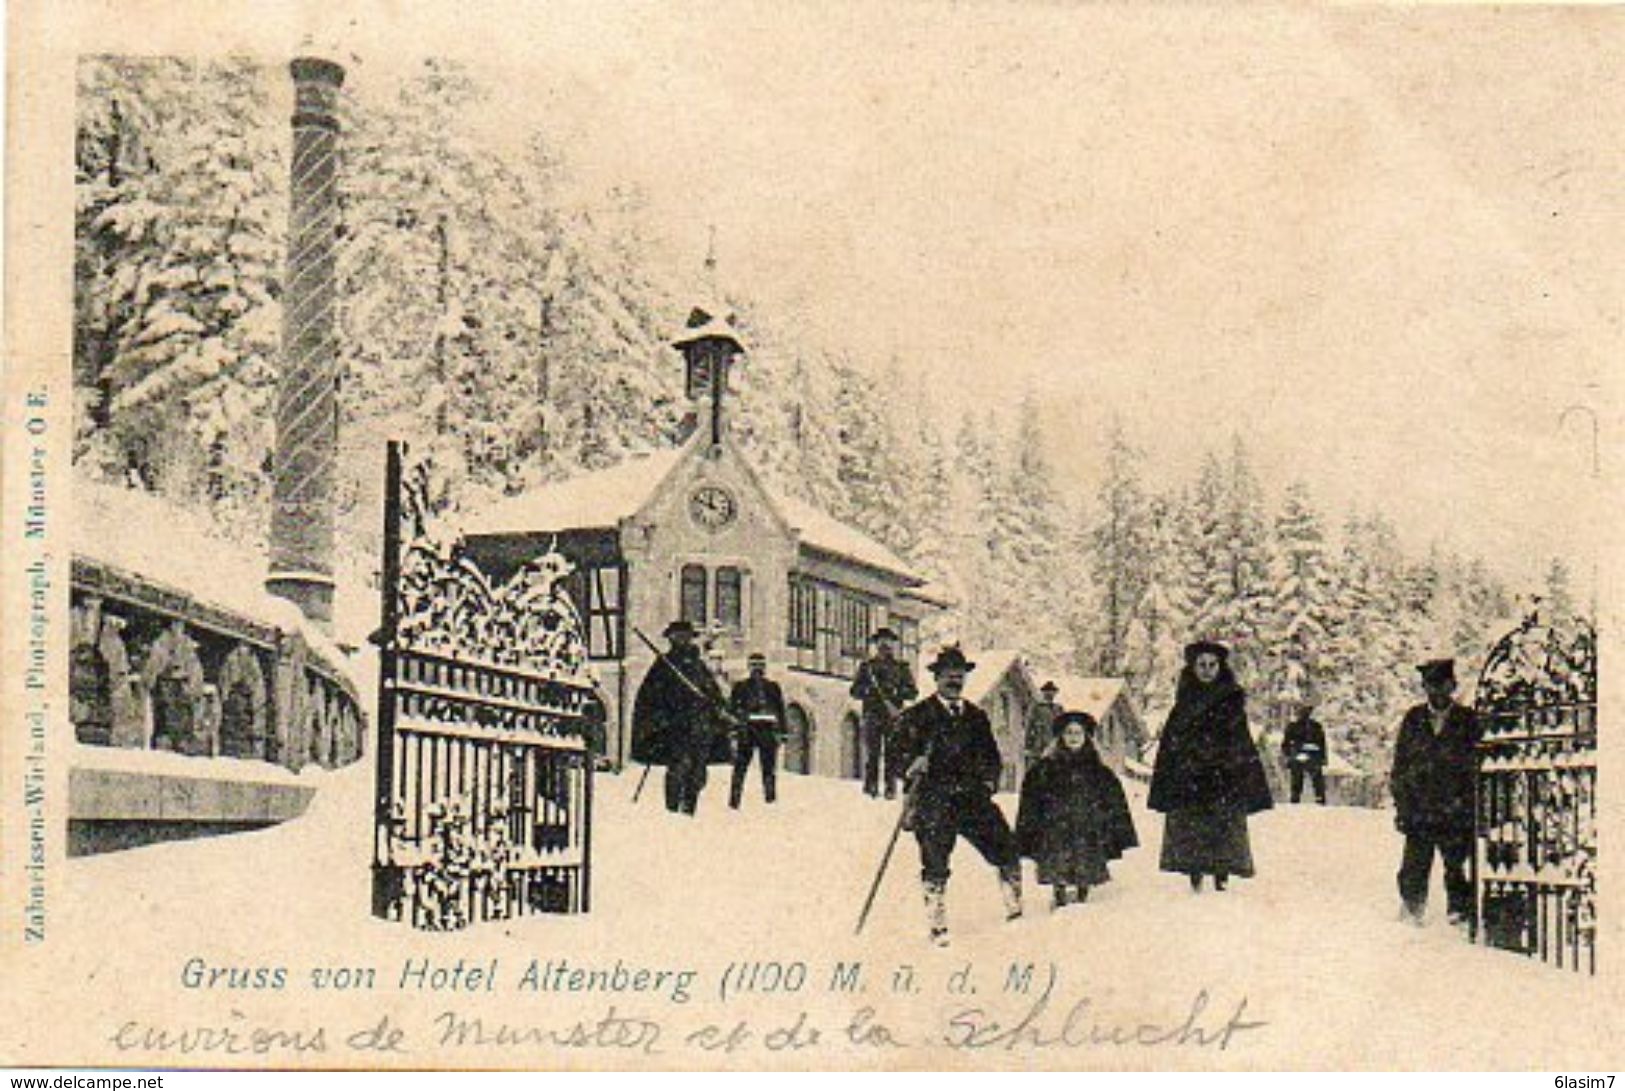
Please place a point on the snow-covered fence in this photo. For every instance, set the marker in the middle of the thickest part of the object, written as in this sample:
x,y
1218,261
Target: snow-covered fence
x,y
484,778
1535,861
156,666
188,704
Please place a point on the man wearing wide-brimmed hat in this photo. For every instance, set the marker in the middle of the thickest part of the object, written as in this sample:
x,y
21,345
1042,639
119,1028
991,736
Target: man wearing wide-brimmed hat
x,y
885,685
1434,768
675,719
953,770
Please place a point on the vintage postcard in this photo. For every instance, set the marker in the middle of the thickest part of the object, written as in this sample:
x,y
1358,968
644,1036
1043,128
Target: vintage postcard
x,y
894,535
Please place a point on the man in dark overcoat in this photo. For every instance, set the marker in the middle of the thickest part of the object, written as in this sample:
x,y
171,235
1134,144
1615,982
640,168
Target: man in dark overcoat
x,y
884,685
953,770
757,703
1435,763
1304,748
675,718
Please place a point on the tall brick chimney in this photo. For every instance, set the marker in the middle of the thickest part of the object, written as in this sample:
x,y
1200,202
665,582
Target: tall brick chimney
x,y
302,513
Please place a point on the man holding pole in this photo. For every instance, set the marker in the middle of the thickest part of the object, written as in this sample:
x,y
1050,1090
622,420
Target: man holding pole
x,y
675,718
884,685
953,770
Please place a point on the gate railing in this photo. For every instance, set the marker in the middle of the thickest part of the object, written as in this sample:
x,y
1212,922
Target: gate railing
x,y
483,808
1535,855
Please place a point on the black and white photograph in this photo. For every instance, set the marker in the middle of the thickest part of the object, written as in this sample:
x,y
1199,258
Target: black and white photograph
x,y
896,536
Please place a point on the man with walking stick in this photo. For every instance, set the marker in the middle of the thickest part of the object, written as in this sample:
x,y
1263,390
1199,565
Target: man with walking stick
x,y
675,718
953,767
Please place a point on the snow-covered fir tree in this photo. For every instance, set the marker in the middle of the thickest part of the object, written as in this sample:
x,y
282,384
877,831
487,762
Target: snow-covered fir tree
x,y
1559,594
971,529
181,211
1119,546
1299,634
1026,598
1154,646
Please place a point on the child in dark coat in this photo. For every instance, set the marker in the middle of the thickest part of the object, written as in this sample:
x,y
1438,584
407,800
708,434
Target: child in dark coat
x,y
1074,818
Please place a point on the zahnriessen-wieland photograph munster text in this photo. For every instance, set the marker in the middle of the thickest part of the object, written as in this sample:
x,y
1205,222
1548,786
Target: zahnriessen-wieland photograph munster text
x,y
951,535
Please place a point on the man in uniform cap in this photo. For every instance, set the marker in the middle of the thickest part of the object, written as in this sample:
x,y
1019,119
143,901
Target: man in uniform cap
x,y
675,718
1304,748
884,685
953,771
757,703
1432,782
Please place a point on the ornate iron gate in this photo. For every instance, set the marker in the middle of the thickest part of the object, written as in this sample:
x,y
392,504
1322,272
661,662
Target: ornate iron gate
x,y
1535,858
484,779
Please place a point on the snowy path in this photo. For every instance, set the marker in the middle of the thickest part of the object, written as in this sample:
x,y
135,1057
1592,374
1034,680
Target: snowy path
x,y
1312,943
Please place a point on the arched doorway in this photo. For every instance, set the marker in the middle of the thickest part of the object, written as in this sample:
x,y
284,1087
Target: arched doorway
x,y
243,731
798,741
173,676
851,751
174,716
90,696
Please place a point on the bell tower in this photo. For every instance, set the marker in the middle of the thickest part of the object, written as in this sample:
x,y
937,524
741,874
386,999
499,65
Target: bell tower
x,y
710,347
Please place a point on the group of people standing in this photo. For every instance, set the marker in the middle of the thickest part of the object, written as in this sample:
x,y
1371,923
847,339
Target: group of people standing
x,y
1073,817
682,721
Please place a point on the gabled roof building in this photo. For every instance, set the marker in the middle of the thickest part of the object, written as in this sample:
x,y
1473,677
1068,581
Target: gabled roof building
x,y
693,533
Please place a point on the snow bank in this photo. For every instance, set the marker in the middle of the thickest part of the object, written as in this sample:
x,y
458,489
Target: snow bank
x,y
1312,942
123,759
143,534
147,536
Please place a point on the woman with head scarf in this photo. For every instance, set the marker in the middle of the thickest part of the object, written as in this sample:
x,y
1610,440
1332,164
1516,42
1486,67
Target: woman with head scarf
x,y
1208,776
1074,818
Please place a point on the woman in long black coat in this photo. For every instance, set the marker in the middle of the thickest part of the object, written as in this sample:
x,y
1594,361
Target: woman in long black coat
x,y
1208,776
1074,818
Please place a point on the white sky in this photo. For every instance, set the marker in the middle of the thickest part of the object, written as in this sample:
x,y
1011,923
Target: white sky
x,y
1383,244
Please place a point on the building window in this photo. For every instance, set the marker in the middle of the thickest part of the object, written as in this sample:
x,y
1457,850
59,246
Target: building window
x,y
600,601
829,630
730,596
856,623
693,601
803,614
831,624
908,632
604,611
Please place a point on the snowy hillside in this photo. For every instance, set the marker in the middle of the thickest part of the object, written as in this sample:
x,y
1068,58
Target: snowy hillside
x,y
1311,943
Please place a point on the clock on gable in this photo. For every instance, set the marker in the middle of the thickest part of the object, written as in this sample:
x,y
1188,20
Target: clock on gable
x,y
712,507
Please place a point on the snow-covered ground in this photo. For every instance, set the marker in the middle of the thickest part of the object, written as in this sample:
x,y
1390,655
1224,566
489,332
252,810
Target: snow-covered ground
x,y
1312,943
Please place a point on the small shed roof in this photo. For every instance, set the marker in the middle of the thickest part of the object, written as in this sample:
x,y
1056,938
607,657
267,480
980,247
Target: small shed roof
x,y
992,664
1092,695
